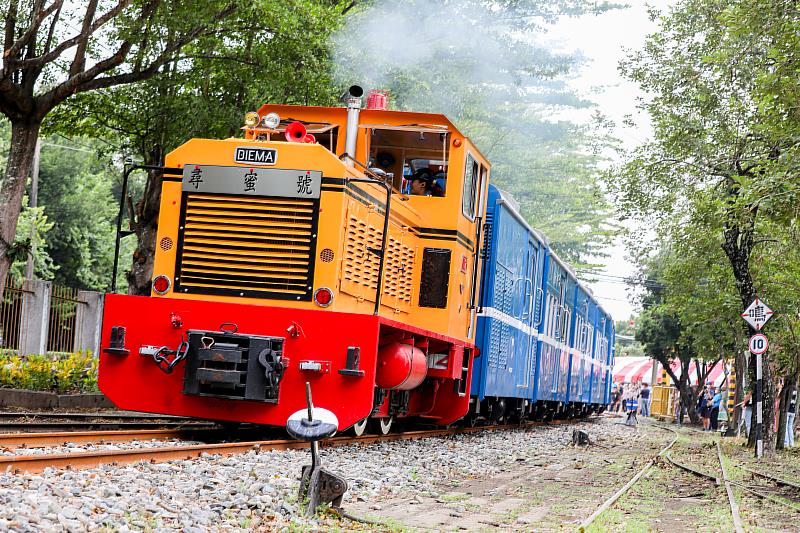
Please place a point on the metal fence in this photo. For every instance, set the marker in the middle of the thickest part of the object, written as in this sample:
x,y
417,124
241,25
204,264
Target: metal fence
x,y
12,327
39,317
62,320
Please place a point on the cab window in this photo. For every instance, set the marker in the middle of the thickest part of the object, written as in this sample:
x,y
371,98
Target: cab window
x,y
402,151
471,173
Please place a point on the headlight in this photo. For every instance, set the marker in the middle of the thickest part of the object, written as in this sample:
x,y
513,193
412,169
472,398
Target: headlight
x,y
271,121
251,119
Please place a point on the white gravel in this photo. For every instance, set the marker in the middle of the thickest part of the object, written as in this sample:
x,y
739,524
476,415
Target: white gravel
x,y
258,490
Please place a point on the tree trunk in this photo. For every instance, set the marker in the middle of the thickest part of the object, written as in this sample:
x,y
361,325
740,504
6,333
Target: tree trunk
x,y
145,225
12,188
738,239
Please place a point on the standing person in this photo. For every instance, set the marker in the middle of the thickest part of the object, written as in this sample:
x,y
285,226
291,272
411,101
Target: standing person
x,y
677,406
716,399
788,440
704,407
747,403
614,398
644,396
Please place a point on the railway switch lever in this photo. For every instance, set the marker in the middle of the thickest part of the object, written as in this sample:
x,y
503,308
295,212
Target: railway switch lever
x,y
317,485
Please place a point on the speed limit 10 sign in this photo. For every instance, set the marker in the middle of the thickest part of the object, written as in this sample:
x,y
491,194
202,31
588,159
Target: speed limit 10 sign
x,y
758,344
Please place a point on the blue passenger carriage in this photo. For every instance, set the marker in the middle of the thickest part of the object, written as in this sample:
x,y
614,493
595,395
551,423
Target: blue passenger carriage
x,y
543,338
509,312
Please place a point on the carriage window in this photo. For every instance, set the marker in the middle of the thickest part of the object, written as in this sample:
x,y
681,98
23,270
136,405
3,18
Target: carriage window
x,y
470,184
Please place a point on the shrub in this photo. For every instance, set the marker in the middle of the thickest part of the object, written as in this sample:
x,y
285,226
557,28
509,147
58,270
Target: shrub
x,y
71,372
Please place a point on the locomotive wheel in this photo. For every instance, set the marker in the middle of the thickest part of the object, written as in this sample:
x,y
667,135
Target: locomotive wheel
x,y
381,426
360,427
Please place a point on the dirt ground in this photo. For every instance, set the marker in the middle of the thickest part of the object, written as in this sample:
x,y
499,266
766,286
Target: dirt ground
x,y
550,491
556,490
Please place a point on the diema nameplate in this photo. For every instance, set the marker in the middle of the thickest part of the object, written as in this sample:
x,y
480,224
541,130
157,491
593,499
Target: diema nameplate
x,y
253,155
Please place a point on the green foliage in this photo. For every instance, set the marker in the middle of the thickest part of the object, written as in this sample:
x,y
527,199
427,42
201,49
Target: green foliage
x,y
625,347
33,227
72,229
483,66
263,52
76,185
718,182
74,372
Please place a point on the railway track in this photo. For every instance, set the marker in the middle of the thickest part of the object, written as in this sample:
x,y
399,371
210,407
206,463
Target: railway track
x,y
79,426
88,459
39,440
625,488
729,483
722,478
63,421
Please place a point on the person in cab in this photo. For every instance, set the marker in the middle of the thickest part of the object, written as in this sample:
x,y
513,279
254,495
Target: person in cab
x,y
421,183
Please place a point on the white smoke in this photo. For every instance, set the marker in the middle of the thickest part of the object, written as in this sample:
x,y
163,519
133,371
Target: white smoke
x,y
439,55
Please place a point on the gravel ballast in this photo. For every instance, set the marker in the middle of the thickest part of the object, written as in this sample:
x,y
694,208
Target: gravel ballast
x,y
257,490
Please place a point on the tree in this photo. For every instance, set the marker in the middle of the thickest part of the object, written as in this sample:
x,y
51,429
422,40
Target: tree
x,y
628,346
485,69
665,337
717,154
264,52
46,61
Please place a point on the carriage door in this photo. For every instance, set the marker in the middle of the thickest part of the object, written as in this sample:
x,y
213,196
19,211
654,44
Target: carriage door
x,y
527,316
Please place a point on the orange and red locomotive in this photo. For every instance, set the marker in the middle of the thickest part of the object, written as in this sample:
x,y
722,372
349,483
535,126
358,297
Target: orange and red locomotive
x,y
296,254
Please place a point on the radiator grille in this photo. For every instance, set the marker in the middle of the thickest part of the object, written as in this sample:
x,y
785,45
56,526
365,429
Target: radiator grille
x,y
398,273
360,265
246,246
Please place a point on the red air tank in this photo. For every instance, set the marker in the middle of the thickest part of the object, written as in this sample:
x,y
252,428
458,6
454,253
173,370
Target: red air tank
x,y
400,367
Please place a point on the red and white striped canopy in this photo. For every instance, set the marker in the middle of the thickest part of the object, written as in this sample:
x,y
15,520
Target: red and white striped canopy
x,y
632,369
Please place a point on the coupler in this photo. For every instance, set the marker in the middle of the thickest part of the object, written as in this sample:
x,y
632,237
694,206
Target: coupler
x,y
317,485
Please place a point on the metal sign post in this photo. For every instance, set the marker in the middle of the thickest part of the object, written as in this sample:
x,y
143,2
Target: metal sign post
x,y
757,314
759,407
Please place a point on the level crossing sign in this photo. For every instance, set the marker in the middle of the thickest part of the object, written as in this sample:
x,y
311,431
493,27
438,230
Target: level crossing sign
x,y
758,344
757,314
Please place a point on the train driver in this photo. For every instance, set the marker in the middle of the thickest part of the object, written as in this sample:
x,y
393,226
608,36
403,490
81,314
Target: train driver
x,y
421,183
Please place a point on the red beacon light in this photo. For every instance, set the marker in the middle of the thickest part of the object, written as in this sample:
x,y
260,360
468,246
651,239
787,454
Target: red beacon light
x,y
161,284
378,99
323,297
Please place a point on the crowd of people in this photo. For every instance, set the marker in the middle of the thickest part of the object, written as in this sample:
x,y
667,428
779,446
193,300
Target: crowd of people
x,y
635,399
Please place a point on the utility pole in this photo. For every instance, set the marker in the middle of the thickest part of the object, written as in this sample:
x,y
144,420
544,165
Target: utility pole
x,y
34,199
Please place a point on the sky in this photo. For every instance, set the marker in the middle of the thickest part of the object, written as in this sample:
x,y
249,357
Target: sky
x,y
602,39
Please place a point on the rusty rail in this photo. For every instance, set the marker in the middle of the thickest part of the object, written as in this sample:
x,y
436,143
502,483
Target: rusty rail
x,y
40,440
664,452
38,462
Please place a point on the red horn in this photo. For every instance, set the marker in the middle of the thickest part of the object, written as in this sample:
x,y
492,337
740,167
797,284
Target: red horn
x,y
309,138
295,132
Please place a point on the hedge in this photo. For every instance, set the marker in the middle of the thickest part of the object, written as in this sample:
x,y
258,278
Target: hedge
x,y
63,373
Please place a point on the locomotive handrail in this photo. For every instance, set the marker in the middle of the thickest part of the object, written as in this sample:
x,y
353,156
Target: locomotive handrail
x,y
122,197
476,261
364,167
385,236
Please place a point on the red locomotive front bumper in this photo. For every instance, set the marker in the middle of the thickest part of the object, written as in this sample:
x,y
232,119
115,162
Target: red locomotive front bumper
x,y
313,346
